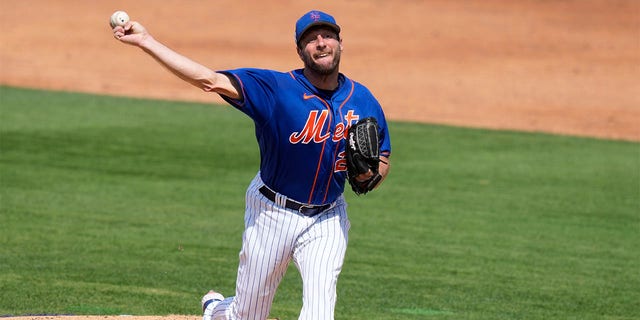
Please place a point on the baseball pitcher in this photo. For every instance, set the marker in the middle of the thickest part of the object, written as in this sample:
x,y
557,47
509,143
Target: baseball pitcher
x,y
317,130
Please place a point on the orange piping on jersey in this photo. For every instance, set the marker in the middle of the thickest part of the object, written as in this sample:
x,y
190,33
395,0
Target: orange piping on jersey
x,y
240,102
335,152
315,179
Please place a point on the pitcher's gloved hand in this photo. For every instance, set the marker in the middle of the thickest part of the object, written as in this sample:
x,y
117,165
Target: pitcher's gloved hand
x,y
362,153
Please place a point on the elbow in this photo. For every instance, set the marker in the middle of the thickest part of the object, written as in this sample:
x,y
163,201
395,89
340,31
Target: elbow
x,y
218,83
208,82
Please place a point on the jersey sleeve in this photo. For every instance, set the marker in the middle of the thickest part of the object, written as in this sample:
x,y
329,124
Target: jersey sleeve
x,y
257,89
372,108
385,139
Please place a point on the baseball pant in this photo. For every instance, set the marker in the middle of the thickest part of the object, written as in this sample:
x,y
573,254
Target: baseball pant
x,y
273,237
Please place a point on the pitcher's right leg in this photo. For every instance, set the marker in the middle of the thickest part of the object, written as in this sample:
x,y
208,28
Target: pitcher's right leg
x,y
267,244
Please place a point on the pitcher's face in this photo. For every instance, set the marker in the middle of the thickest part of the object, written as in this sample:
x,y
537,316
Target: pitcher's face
x,y
320,50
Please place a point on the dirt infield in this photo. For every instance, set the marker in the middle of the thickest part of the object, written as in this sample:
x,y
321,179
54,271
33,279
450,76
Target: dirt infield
x,y
127,317
122,317
569,67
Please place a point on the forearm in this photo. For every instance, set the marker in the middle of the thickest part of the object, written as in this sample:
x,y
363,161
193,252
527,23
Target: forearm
x,y
133,33
183,67
383,169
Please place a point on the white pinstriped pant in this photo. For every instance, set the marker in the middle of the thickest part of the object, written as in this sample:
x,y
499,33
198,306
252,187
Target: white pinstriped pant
x,y
274,236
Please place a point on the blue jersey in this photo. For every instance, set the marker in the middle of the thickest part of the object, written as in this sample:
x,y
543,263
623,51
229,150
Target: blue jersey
x,y
301,130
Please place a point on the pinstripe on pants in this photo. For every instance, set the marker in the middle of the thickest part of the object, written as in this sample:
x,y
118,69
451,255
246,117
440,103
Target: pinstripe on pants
x,y
273,237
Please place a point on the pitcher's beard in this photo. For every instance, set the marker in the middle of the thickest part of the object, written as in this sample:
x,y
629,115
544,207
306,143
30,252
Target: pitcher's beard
x,y
322,69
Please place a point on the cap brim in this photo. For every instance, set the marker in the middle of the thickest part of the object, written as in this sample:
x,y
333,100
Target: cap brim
x,y
335,28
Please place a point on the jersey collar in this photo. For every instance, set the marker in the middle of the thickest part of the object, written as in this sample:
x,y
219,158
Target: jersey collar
x,y
325,94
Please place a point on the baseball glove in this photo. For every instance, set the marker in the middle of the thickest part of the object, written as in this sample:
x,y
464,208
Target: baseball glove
x,y
362,153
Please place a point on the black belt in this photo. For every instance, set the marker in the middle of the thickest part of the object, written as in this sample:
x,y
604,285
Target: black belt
x,y
305,209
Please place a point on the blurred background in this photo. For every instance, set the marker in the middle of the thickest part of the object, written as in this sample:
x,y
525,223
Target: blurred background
x,y
569,67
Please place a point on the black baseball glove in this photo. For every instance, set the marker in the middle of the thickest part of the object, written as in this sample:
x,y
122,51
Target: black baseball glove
x,y
363,154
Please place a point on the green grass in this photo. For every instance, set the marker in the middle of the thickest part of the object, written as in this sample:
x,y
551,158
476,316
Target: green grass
x,y
126,206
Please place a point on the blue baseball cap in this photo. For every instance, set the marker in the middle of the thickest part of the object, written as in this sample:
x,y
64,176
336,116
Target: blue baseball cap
x,y
314,18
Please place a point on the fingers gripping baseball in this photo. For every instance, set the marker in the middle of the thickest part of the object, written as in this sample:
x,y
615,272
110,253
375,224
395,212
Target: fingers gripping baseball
x,y
130,32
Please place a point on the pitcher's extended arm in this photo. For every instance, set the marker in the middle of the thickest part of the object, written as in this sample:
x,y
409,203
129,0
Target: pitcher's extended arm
x,y
135,34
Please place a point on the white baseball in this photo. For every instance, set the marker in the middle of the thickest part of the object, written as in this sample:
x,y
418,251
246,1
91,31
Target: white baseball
x,y
119,18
